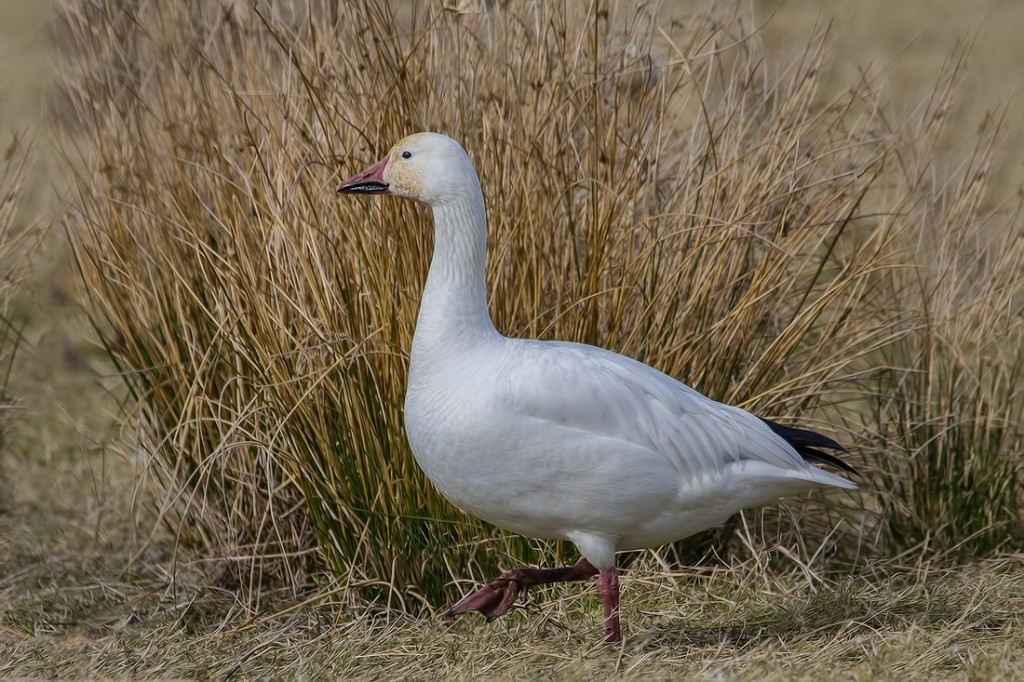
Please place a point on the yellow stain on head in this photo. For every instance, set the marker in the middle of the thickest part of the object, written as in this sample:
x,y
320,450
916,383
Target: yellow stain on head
x,y
403,178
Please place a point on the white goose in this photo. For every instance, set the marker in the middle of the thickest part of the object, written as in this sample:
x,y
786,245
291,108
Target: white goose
x,y
563,440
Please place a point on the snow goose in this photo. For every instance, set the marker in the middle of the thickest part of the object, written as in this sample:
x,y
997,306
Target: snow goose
x,y
561,440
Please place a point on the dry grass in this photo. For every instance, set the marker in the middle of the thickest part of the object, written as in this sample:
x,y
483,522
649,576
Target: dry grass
x,y
21,235
801,252
17,239
693,209
739,622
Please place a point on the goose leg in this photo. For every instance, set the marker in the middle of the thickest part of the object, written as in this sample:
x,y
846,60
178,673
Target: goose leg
x,y
494,599
608,583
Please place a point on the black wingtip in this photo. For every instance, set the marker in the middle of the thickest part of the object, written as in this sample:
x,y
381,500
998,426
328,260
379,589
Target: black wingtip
x,y
812,455
809,443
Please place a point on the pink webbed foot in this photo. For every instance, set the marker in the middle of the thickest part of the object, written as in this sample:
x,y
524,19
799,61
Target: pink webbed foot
x,y
492,600
497,597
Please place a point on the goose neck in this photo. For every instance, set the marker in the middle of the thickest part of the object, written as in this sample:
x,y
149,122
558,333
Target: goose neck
x,y
454,305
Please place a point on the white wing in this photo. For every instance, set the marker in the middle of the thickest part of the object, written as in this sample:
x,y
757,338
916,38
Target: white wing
x,y
601,393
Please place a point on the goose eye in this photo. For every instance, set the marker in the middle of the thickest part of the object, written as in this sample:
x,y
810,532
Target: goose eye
x,y
407,154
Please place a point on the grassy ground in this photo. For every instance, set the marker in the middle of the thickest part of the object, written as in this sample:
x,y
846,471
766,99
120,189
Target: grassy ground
x,y
76,615
69,606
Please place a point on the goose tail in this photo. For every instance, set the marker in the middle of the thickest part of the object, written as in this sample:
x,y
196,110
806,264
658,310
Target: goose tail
x,y
811,445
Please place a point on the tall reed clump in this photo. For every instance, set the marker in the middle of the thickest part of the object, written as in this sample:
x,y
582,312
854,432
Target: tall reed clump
x,y
949,409
699,211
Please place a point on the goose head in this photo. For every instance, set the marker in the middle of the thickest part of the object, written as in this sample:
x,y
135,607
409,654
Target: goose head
x,y
426,167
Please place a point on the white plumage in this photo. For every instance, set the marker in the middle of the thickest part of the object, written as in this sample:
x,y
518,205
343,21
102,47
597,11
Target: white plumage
x,y
563,440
